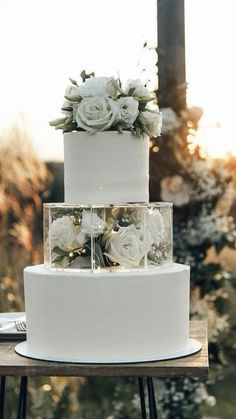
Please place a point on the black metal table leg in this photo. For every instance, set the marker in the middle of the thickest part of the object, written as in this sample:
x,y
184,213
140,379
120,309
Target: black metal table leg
x,y
142,397
152,399
22,401
2,395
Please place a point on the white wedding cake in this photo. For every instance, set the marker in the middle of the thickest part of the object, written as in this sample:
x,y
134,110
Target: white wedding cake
x,y
108,291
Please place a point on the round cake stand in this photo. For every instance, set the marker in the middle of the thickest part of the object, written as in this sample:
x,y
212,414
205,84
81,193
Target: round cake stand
x,y
192,347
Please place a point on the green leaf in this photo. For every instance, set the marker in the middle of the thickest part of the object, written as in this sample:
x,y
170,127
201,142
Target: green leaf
x,y
73,81
69,128
69,120
61,261
85,76
61,126
67,108
57,122
118,87
146,130
145,99
131,91
119,128
99,256
74,99
59,251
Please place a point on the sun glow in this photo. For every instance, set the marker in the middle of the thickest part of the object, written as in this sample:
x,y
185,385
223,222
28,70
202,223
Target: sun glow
x,y
42,43
211,69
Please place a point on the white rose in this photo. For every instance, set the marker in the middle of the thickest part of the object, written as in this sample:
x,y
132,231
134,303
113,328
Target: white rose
x,y
91,225
128,110
63,233
125,247
152,120
98,86
154,227
140,89
72,90
174,189
170,121
97,114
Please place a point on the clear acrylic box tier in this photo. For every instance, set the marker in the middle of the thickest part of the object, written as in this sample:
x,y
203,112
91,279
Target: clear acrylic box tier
x,y
109,237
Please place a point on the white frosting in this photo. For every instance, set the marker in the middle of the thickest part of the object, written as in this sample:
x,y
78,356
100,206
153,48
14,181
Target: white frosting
x,y
106,167
107,317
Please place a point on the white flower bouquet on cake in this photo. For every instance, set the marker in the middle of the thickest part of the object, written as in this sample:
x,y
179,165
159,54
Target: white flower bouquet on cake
x,y
102,104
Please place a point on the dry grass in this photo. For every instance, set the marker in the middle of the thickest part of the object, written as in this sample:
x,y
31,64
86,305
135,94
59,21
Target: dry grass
x,y
23,184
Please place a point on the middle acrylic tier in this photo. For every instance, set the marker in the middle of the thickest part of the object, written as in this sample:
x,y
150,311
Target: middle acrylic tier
x,y
95,237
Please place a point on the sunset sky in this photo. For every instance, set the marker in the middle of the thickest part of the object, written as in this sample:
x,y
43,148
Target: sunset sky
x,y
43,43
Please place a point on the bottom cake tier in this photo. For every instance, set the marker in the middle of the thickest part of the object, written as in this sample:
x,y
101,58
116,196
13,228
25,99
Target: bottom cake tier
x,y
107,317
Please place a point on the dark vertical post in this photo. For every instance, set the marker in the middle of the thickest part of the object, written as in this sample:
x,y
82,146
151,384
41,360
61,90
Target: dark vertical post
x,y
142,397
22,400
2,395
171,54
151,398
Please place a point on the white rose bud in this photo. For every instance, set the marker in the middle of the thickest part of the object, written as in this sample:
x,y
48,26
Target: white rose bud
x,y
152,120
140,89
72,90
97,114
128,110
111,87
97,86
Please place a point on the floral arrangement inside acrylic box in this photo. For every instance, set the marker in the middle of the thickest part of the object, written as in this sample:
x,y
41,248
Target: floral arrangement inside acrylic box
x,y
102,103
132,236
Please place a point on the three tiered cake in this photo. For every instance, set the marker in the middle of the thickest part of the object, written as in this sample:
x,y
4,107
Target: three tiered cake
x,y
108,291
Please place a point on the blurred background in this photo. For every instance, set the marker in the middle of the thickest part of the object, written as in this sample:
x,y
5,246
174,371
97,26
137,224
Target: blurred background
x,y
183,51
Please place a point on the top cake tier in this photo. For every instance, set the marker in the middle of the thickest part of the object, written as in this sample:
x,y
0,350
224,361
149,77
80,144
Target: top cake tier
x,y
105,168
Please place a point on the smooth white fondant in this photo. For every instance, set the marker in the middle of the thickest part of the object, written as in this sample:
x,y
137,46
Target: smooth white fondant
x,y
106,167
107,317
193,346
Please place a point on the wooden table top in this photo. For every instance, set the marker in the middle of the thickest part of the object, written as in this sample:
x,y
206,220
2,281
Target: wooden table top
x,y
193,366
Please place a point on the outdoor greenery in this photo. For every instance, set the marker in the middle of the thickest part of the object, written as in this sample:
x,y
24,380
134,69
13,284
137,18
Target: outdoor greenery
x,y
203,193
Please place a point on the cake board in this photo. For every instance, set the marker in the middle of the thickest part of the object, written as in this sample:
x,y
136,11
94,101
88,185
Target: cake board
x,y
193,346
